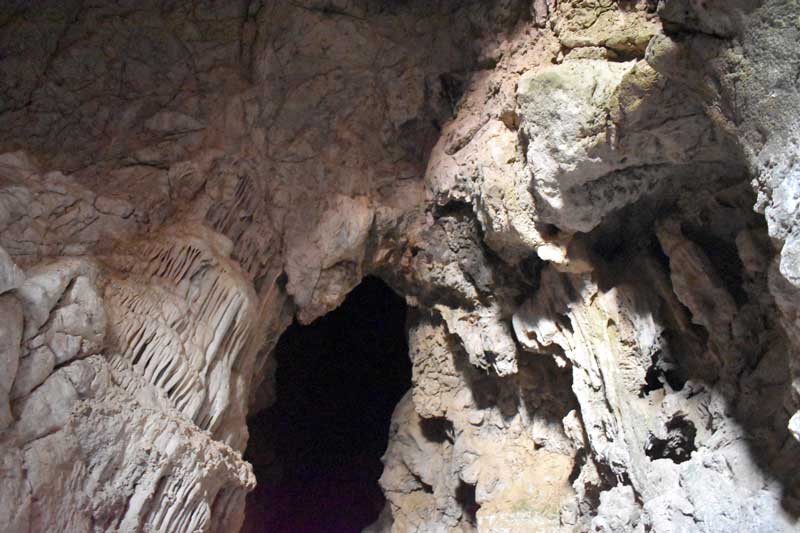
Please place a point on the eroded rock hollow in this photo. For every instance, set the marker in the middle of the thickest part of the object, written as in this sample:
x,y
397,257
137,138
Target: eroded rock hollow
x,y
589,207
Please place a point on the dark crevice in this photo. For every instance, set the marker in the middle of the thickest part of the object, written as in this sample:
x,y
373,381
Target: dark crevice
x,y
662,371
427,488
437,430
453,208
316,452
453,85
723,256
678,443
652,381
465,496
524,142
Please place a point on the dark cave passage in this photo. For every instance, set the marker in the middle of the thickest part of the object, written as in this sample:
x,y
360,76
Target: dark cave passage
x,y
316,452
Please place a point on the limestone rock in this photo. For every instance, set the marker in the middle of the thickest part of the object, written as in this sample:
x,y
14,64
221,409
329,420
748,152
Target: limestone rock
x,y
94,455
11,276
596,23
10,339
590,207
180,315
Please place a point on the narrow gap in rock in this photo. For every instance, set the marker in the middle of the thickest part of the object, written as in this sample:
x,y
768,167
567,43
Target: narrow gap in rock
x,y
465,496
425,486
725,259
651,378
662,370
678,442
437,429
316,452
453,89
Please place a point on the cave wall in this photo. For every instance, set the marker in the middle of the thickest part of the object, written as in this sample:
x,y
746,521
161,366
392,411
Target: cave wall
x,y
589,206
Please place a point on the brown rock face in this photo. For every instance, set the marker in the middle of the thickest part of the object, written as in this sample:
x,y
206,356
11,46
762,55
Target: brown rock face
x,y
589,206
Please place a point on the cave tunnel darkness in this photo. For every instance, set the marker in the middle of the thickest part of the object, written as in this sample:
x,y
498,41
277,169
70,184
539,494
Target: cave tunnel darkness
x,y
316,452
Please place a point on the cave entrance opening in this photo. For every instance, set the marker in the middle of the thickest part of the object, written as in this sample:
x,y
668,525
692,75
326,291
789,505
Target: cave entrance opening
x,y
316,452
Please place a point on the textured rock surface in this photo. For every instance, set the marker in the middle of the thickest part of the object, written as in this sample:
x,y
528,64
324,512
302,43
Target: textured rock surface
x,y
590,205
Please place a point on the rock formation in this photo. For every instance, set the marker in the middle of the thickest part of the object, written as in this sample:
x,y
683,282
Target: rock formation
x,y
590,207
